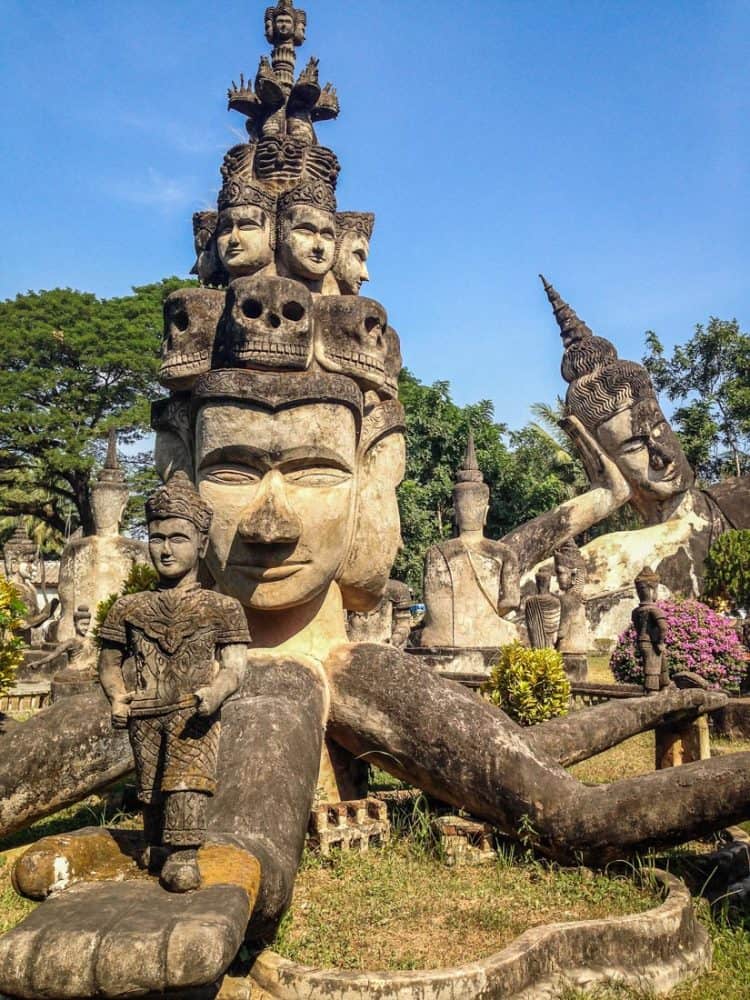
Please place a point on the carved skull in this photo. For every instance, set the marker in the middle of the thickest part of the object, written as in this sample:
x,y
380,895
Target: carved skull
x,y
191,317
393,364
350,337
267,324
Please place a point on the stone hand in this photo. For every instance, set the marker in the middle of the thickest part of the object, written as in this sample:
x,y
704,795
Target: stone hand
x,y
121,710
599,467
208,700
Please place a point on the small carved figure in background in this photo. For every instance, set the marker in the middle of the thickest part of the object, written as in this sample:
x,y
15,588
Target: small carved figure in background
x,y
170,658
542,612
650,626
573,635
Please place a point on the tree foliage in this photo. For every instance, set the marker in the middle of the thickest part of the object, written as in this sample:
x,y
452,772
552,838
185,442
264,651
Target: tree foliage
x,y
710,377
727,578
74,365
12,613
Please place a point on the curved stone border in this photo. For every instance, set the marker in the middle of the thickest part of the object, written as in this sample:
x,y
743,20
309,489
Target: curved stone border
x,y
655,949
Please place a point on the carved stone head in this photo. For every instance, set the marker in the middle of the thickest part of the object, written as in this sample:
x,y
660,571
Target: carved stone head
x,y
646,585
267,324
191,318
109,494
307,232
303,487
178,524
207,266
615,400
543,579
471,495
392,364
350,337
570,568
353,234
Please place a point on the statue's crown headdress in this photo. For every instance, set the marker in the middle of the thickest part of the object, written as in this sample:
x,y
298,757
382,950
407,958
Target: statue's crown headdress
x,y
361,223
601,384
647,575
179,498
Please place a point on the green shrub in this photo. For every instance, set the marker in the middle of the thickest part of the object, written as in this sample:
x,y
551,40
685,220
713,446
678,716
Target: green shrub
x,y
529,684
727,568
142,576
12,612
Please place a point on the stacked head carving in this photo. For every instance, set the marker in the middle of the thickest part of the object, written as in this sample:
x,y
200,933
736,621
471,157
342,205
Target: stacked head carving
x,y
283,407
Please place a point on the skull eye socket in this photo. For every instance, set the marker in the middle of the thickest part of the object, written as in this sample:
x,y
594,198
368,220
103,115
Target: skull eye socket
x,y
372,323
252,308
181,320
293,311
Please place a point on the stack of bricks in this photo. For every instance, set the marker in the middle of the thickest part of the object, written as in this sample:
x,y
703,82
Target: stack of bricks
x,y
349,826
464,841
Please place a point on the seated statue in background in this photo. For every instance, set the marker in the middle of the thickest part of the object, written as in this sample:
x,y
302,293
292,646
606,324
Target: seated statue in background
x,y
470,582
650,625
170,658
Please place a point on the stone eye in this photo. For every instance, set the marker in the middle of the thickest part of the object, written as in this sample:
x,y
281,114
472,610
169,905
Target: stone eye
x,y
371,323
181,320
293,311
252,308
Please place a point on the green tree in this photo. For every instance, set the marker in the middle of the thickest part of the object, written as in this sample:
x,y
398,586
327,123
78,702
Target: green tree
x,y
710,377
74,365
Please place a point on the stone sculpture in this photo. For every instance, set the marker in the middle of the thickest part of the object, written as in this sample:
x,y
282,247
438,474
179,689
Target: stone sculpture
x,y
542,613
207,267
389,622
19,556
614,400
353,235
572,636
470,582
650,626
169,660
93,567
300,466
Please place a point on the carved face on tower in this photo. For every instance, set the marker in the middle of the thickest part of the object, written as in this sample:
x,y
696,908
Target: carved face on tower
x,y
307,242
286,482
353,231
244,239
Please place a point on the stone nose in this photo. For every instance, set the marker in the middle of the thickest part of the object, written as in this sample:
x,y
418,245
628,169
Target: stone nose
x,y
269,519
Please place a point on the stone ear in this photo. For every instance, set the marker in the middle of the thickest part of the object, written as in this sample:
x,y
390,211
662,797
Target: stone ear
x,y
173,446
376,531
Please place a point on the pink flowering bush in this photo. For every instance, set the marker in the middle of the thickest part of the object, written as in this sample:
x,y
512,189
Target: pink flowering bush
x,y
698,639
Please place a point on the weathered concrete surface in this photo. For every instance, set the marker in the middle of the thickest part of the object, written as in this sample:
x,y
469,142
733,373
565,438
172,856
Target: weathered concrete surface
x,y
58,757
469,754
569,739
113,939
653,950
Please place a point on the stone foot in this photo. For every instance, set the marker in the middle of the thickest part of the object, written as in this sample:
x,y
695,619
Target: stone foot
x,y
113,939
180,872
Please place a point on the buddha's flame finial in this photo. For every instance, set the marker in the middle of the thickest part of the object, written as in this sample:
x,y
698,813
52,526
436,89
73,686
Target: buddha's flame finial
x,y
111,471
470,471
572,328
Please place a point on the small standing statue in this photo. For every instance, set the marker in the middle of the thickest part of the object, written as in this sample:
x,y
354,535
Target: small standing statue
x,y
573,630
542,612
650,626
170,658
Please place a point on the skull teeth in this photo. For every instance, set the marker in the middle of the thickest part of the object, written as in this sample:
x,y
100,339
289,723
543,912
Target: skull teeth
x,y
179,361
245,350
366,361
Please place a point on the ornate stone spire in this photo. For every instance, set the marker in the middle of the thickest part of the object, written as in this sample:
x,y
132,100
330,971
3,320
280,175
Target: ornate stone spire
x,y
470,471
111,471
277,96
572,328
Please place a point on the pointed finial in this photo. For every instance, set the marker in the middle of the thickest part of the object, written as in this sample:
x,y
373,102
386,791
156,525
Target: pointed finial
x,y
572,328
111,460
470,471
111,471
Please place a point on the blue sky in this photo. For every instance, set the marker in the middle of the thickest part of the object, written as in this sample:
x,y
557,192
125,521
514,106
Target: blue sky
x,y
603,143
